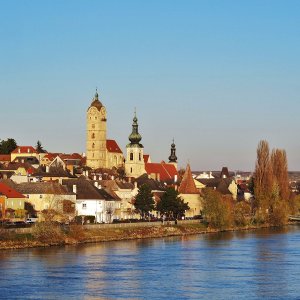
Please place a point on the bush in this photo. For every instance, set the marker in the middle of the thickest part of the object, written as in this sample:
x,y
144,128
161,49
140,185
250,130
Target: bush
x,y
217,211
242,211
279,214
48,232
77,232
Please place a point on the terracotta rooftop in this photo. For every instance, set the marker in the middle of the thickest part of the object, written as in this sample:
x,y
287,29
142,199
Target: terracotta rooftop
x,y
9,192
5,157
165,171
24,149
112,146
187,185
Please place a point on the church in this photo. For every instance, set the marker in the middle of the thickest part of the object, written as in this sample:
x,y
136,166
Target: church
x,y
103,153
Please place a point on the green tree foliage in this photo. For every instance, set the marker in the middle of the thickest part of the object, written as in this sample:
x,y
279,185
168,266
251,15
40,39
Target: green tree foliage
x,y
171,204
7,146
217,212
144,202
39,147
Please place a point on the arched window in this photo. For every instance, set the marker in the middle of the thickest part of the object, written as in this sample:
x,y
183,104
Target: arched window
x,y
131,156
140,156
130,170
93,145
93,135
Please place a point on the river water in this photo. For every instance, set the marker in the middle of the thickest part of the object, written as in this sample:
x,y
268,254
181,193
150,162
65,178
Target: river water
x,y
240,265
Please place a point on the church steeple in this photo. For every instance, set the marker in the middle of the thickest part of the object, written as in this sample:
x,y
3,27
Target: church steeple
x,y
135,137
173,157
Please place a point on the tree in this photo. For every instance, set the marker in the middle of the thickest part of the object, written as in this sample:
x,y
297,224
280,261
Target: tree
x,y
39,147
280,172
263,177
144,202
171,204
216,211
6,147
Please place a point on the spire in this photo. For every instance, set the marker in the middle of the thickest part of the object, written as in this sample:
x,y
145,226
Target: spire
x,y
173,157
135,137
96,102
187,185
96,95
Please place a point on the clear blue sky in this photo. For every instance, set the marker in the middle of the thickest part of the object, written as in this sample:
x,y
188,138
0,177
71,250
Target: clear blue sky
x,y
218,76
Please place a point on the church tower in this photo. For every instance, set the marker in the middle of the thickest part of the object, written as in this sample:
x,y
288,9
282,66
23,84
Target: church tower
x,y
96,134
134,165
173,157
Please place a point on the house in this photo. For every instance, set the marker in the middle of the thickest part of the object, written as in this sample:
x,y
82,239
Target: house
x,y
165,172
114,155
23,151
18,172
46,195
126,192
11,201
190,194
50,174
93,200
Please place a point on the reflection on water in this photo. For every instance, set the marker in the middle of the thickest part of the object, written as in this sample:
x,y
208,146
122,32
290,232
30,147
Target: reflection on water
x,y
247,264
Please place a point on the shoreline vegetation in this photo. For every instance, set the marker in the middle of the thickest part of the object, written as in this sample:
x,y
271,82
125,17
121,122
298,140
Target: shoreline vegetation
x,y
47,235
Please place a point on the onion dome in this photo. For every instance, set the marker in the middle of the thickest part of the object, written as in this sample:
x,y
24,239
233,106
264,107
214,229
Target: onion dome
x,y
135,137
96,103
173,157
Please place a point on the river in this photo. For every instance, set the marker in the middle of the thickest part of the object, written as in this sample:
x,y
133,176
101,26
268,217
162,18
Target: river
x,y
233,265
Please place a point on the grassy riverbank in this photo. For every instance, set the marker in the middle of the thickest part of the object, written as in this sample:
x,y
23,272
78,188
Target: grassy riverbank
x,y
46,235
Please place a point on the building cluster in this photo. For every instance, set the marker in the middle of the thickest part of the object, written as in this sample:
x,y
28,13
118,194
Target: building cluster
x,y
100,184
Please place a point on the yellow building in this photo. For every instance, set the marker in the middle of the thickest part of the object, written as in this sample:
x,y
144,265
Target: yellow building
x,y
190,194
23,151
100,152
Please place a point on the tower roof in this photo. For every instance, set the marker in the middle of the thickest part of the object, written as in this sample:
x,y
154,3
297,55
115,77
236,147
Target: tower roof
x,y
135,137
96,102
173,157
187,185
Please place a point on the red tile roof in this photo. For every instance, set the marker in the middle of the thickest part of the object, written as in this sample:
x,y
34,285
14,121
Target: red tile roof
x,y
71,156
51,156
146,158
187,185
24,149
9,192
166,171
4,157
112,146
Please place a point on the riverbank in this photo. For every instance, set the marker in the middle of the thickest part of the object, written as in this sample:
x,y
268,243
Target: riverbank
x,y
46,236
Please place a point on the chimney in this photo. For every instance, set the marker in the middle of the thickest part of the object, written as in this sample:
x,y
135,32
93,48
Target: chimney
x,y
47,169
175,178
96,184
95,177
60,180
112,177
99,186
19,150
28,150
135,184
158,176
74,189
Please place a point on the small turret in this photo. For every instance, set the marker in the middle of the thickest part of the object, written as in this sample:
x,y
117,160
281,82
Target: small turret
x,y
173,157
135,137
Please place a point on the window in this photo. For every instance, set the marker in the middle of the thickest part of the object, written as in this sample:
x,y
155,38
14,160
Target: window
x,y
93,135
83,205
130,170
41,196
131,156
93,145
140,156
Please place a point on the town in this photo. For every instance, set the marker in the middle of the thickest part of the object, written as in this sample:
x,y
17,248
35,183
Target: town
x,y
105,185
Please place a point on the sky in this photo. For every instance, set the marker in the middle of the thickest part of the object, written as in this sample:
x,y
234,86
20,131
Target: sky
x,y
217,76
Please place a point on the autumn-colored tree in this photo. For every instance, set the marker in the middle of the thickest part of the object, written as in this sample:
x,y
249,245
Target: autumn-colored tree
x,y
217,211
280,172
